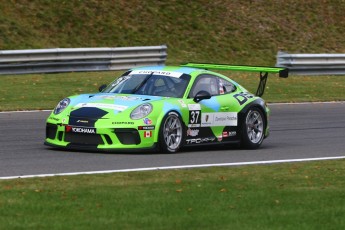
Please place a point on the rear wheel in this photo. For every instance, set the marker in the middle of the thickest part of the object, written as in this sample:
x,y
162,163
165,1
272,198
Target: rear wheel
x,y
253,128
171,133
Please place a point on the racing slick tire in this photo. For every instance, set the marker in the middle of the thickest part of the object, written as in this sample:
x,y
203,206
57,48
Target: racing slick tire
x,y
253,128
171,133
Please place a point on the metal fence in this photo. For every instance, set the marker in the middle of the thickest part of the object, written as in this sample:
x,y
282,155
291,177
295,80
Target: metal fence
x,y
312,64
105,59
79,59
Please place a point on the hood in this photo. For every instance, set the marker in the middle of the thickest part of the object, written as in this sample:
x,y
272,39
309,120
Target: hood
x,y
98,105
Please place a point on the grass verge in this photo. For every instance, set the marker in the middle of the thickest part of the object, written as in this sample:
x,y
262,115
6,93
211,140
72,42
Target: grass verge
x,y
282,196
43,91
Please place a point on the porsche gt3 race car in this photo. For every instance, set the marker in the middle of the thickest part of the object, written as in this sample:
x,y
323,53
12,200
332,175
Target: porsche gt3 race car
x,y
164,108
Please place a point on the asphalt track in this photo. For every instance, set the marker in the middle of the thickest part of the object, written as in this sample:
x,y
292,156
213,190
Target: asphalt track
x,y
298,131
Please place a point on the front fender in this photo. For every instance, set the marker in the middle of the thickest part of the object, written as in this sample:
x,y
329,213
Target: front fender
x,y
165,109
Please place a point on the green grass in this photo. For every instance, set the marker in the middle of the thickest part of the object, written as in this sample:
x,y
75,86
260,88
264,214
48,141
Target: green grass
x,y
234,32
282,196
43,91
40,91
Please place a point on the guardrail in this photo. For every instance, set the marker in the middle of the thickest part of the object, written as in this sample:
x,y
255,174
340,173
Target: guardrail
x,y
312,64
79,59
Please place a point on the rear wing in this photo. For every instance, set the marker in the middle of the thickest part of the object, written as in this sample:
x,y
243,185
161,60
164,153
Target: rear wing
x,y
283,72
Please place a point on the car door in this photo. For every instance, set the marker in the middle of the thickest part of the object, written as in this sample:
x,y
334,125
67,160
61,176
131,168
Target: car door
x,y
211,120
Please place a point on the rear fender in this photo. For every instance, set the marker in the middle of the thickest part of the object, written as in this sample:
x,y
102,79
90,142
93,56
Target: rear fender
x,y
258,103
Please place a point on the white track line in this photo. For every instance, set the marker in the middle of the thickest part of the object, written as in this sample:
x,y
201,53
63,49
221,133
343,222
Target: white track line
x,y
176,167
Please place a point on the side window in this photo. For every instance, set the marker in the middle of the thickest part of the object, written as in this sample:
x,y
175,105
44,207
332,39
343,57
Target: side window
x,y
207,83
212,84
226,86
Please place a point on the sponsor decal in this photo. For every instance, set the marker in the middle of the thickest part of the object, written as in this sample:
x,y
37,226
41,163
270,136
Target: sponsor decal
x,y
232,133
103,106
192,132
151,127
193,125
229,134
207,117
194,107
219,119
243,97
219,138
68,129
200,140
83,121
80,130
158,72
123,123
125,98
106,97
147,121
182,103
147,134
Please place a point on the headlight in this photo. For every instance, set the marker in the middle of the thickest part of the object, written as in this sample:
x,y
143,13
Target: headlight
x,y
61,106
141,111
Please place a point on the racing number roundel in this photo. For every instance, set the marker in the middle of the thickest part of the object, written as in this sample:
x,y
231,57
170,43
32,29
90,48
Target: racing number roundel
x,y
194,115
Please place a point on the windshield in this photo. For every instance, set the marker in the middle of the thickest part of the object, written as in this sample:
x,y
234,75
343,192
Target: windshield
x,y
150,83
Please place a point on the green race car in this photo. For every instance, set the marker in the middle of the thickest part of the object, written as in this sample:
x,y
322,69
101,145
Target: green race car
x,y
164,108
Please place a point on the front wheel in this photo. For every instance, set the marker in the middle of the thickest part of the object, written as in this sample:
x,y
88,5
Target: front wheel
x,y
171,133
253,128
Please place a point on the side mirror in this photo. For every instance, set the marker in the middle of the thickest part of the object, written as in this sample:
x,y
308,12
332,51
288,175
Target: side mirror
x,y
102,87
201,95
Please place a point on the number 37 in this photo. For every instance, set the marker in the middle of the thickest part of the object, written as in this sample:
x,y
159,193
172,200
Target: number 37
x,y
194,117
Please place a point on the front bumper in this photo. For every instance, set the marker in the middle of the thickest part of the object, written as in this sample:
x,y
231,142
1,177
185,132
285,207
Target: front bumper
x,y
100,139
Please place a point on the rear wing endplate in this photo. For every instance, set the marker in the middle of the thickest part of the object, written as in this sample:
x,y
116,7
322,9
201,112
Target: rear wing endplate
x,y
283,72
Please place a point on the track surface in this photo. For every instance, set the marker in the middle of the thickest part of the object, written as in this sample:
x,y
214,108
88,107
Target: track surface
x,y
297,131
